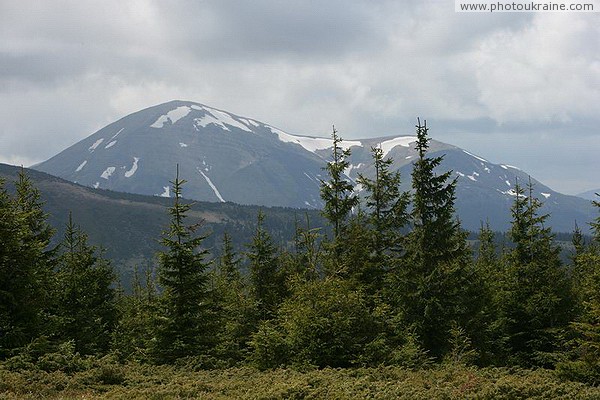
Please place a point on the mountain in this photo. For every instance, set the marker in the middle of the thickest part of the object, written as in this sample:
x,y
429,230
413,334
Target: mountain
x,y
590,195
128,226
229,158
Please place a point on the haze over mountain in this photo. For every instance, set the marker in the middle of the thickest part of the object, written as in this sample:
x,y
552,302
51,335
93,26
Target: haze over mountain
x,y
226,157
590,195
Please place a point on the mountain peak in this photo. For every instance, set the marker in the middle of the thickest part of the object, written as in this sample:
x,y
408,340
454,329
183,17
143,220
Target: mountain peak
x,y
227,157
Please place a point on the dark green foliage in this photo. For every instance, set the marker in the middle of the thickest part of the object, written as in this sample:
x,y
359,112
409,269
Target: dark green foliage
x,y
85,304
185,317
387,206
25,266
535,299
337,192
435,284
228,265
386,215
596,224
236,307
132,339
584,357
323,323
267,280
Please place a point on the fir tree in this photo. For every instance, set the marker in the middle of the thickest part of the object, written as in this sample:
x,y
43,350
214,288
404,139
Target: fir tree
x,y
185,323
26,264
536,302
86,307
386,216
337,192
229,263
265,275
137,314
436,283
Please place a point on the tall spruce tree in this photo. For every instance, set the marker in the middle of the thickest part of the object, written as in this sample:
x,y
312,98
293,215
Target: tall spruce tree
x,y
337,192
584,362
386,214
86,305
185,324
339,198
536,302
26,264
268,283
437,285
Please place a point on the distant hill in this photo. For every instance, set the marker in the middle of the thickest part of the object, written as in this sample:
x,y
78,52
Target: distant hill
x,y
128,226
226,157
590,195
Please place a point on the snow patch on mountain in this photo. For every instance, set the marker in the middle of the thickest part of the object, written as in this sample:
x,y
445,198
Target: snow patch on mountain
x,y
81,166
219,118
546,195
212,186
403,141
96,185
173,116
473,176
111,144
129,173
474,156
96,144
117,134
311,144
108,172
511,192
166,192
181,144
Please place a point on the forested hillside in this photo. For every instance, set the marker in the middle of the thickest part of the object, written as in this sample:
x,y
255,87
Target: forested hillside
x,y
391,286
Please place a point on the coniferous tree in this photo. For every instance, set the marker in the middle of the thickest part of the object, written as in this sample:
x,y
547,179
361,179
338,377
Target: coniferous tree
x,y
185,321
268,283
229,263
86,304
339,198
436,284
137,314
26,264
386,204
536,302
235,305
584,362
386,216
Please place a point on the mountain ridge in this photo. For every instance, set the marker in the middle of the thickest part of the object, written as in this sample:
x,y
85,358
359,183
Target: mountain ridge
x,y
227,157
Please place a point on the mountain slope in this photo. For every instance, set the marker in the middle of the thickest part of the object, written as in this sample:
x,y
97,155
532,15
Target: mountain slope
x,y
590,195
128,226
226,157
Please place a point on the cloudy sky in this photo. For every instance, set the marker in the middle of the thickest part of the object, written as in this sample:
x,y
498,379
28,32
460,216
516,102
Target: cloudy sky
x,y
516,88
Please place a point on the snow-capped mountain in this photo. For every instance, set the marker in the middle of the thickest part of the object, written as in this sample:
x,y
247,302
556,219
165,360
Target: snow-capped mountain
x,y
226,157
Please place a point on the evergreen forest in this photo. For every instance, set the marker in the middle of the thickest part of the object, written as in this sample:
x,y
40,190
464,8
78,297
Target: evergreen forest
x,y
388,301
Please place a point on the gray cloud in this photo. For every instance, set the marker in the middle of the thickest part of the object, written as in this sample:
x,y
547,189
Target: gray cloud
x,y
516,88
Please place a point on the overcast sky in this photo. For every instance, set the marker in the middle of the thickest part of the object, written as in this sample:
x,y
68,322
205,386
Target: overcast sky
x,y
516,88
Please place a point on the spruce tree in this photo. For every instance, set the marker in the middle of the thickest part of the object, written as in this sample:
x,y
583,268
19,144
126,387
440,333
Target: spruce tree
x,y
536,302
228,263
268,283
386,216
584,362
436,284
185,322
337,193
86,304
26,264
